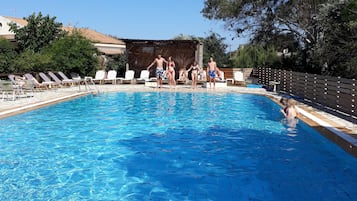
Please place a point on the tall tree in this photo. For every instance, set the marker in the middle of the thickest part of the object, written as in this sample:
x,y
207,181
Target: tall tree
x,y
214,46
39,32
251,56
336,49
251,16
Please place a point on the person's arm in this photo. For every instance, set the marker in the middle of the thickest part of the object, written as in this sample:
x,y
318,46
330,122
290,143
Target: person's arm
x,y
151,65
282,111
199,68
297,112
217,69
189,69
167,63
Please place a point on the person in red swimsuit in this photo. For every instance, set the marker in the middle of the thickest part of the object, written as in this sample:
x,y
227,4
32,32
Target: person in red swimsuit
x,y
171,72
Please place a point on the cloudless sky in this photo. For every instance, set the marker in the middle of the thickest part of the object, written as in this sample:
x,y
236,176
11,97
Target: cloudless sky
x,y
128,19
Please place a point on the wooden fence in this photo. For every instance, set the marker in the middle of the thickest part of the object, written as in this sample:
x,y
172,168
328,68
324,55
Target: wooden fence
x,y
334,93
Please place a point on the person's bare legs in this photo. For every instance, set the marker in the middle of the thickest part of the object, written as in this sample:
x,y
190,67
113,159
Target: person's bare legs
x,y
194,82
173,79
169,79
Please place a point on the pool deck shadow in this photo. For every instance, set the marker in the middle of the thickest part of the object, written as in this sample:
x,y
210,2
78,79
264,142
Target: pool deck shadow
x,y
340,131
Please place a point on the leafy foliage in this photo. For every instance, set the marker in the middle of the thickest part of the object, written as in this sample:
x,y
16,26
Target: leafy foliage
x,y
213,46
7,55
255,56
73,53
29,61
39,32
337,45
247,16
118,63
322,33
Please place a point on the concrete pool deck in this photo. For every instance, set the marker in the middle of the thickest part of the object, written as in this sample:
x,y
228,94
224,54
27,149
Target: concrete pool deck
x,y
341,131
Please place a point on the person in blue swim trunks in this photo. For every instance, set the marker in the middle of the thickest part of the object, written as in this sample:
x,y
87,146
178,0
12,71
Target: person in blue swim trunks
x,y
159,61
212,71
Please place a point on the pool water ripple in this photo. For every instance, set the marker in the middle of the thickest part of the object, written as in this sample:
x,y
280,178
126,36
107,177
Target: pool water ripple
x,y
169,146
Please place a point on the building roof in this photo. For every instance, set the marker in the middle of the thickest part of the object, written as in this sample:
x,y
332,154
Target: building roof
x,y
90,34
19,21
95,36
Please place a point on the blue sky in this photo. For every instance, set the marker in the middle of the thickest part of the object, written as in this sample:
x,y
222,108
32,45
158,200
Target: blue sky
x,y
131,19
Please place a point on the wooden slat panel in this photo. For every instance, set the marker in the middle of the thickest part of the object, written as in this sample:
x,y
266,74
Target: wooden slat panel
x,y
326,90
332,93
345,81
344,102
346,110
347,91
345,96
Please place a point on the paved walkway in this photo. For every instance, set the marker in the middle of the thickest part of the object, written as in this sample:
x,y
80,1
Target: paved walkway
x,y
343,129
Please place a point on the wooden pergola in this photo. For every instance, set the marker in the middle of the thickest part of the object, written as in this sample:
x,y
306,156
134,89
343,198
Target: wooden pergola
x,y
141,53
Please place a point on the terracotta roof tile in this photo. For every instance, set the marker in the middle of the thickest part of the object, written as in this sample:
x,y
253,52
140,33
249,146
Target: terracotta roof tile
x,y
90,34
95,36
17,20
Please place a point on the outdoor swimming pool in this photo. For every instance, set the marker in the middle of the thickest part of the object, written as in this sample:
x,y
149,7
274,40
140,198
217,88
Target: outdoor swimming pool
x,y
169,146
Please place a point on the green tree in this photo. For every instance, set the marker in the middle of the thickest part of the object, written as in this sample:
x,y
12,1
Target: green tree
x,y
29,61
251,56
247,16
118,63
39,32
336,49
214,46
73,53
7,55
266,20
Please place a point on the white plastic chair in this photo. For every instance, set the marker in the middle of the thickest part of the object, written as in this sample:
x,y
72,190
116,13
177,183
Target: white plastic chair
x,y
99,76
144,76
129,77
112,76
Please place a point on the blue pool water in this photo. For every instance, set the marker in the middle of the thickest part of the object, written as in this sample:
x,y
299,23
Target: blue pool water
x,y
254,86
169,146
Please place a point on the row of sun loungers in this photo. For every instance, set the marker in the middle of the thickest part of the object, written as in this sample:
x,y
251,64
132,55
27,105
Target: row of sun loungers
x,y
52,80
26,85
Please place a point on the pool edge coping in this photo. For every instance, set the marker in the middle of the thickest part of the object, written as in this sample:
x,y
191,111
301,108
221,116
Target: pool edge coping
x,y
33,106
340,138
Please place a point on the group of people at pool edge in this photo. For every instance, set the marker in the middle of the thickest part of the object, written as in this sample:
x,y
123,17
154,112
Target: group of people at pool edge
x,y
212,71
